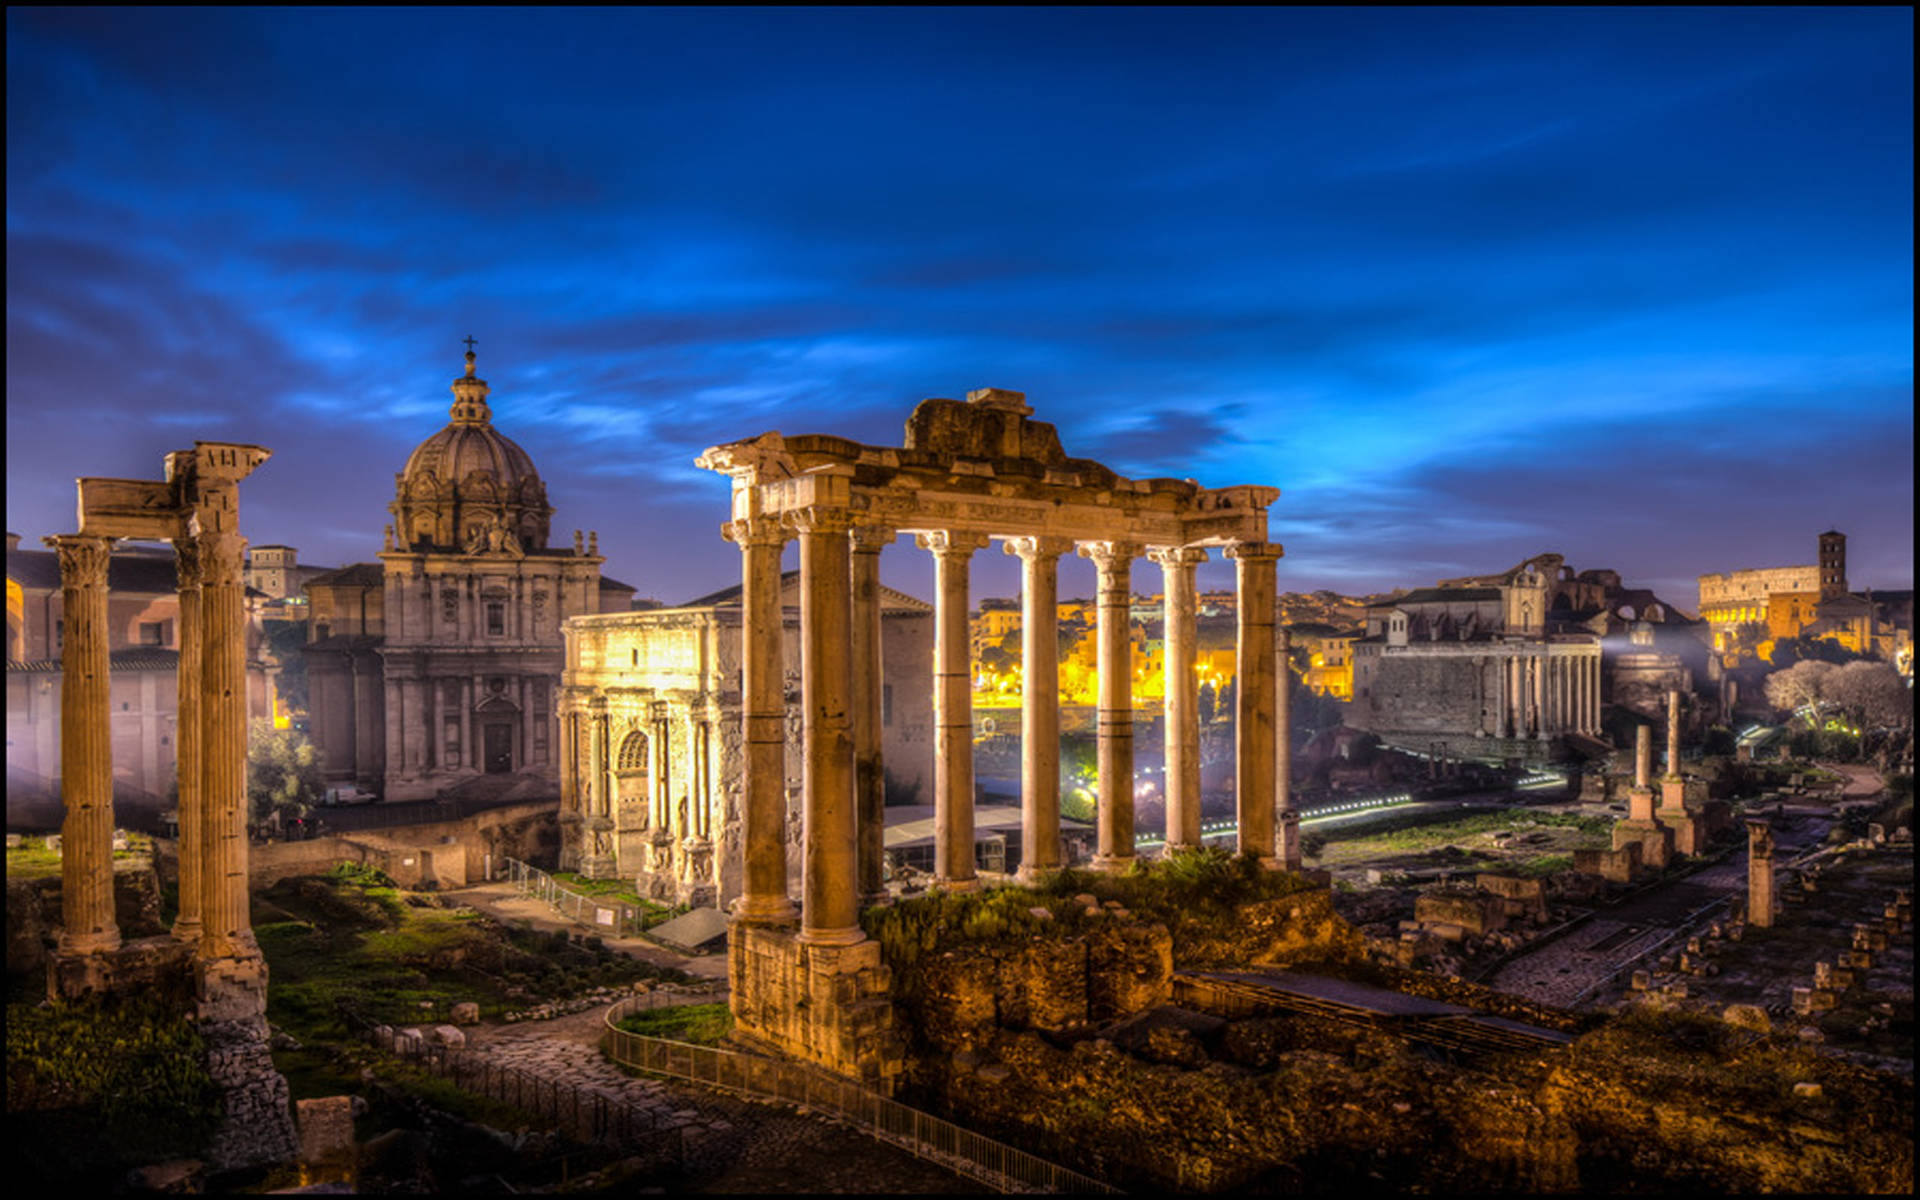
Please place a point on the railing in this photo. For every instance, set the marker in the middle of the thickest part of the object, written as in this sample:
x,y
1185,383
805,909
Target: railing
x,y
968,1154
609,917
582,1113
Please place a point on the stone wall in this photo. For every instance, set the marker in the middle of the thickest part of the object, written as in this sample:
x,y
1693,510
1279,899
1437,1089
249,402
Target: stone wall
x,y
825,1005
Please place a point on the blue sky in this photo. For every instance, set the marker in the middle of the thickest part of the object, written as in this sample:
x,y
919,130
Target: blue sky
x,y
1468,285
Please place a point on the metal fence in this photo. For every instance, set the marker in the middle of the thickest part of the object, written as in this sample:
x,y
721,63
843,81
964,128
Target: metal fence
x,y
968,1154
611,918
582,1113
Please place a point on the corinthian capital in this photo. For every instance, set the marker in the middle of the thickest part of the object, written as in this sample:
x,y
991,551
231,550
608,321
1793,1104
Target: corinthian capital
x,y
871,539
1178,556
821,518
1027,549
1256,551
186,558
223,558
83,559
1110,557
756,531
946,542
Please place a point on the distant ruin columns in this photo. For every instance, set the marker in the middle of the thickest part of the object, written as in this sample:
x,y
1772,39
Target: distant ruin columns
x,y
1039,703
829,902
763,815
1182,722
1288,849
1760,902
1673,734
869,767
226,930
1254,754
952,708
86,749
1640,799
1114,751
186,741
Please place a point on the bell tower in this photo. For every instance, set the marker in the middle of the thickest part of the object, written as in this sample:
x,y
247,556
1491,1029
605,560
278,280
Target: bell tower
x,y
1833,564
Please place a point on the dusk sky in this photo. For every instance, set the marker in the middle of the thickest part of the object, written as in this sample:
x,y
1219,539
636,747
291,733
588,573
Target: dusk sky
x,y
1632,285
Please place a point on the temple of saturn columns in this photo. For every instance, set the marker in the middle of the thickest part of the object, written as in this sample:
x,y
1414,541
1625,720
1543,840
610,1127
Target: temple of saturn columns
x,y
211,954
809,982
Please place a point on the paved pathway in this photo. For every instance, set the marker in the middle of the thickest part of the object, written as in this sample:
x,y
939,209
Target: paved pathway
x,y
503,900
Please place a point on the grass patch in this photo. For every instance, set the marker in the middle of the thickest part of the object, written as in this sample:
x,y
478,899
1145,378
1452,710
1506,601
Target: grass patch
x,y
32,860
701,1024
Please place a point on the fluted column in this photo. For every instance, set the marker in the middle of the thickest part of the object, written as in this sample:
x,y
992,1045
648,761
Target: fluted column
x,y
1114,820
86,749
1039,703
829,897
952,709
186,741
869,765
1182,709
226,930
764,808
1288,849
1254,718
1673,734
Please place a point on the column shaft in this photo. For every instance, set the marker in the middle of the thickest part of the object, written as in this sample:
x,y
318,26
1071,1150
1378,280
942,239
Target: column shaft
x,y
1182,708
764,809
953,862
186,747
1673,734
829,900
869,765
1039,703
1114,752
1254,716
86,749
1288,848
226,930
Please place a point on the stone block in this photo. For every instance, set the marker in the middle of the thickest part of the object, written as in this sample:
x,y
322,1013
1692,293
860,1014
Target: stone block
x,y
1641,981
1822,1000
325,1129
1473,913
409,1042
1802,1001
1748,1016
13,841
1806,1091
466,1012
1822,974
449,1036
53,842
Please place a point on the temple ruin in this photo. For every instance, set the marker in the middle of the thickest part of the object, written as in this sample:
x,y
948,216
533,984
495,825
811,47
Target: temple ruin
x,y
810,983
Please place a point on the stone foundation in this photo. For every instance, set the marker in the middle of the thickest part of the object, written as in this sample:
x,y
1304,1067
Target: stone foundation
x,y
149,966
1656,841
826,1005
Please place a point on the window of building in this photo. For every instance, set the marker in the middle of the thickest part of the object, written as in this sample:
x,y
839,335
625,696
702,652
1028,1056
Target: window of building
x,y
496,619
156,633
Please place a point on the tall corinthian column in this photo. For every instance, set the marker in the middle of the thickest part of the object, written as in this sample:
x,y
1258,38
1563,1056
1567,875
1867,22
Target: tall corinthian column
x,y
1254,718
1182,710
764,811
1114,593
869,766
86,749
829,897
952,709
226,930
186,741
1039,703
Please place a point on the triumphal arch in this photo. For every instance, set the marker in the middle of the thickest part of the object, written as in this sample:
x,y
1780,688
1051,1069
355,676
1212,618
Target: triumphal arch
x,y
809,982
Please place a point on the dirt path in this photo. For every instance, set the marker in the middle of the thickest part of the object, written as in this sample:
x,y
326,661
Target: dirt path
x,y
502,900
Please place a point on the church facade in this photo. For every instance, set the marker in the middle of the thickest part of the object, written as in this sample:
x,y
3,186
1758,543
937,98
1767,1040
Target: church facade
x,y
452,672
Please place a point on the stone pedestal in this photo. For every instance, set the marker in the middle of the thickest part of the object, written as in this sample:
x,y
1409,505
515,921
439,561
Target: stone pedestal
x,y
1655,841
825,1005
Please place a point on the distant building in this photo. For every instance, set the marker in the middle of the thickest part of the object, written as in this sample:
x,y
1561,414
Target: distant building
x,y
650,712
1328,652
451,673
1752,611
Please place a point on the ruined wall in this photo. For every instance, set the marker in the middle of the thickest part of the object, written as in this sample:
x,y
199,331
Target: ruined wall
x,y
1424,690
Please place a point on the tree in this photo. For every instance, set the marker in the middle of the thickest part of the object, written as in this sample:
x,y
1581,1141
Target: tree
x,y
1800,685
283,772
1871,693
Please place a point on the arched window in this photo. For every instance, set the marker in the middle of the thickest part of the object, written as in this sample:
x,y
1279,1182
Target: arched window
x,y
633,753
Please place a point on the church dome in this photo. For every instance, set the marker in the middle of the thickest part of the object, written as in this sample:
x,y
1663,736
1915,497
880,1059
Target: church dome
x,y
469,487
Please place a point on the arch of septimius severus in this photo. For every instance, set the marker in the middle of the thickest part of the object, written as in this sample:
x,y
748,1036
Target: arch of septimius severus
x,y
809,982
211,952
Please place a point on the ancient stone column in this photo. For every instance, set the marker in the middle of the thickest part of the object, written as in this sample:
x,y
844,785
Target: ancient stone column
x,y
829,896
1673,734
1760,902
763,814
1114,752
1289,832
1254,721
869,766
1039,703
86,748
186,742
226,930
952,709
1182,721
1640,799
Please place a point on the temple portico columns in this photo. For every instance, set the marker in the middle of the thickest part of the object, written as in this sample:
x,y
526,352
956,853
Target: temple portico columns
x,y
1254,754
1114,752
86,749
829,898
1039,703
191,809
226,930
763,815
1289,831
1182,721
952,708
869,767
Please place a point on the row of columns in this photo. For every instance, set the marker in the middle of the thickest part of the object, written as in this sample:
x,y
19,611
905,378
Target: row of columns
x,y
1542,694
210,746
840,681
